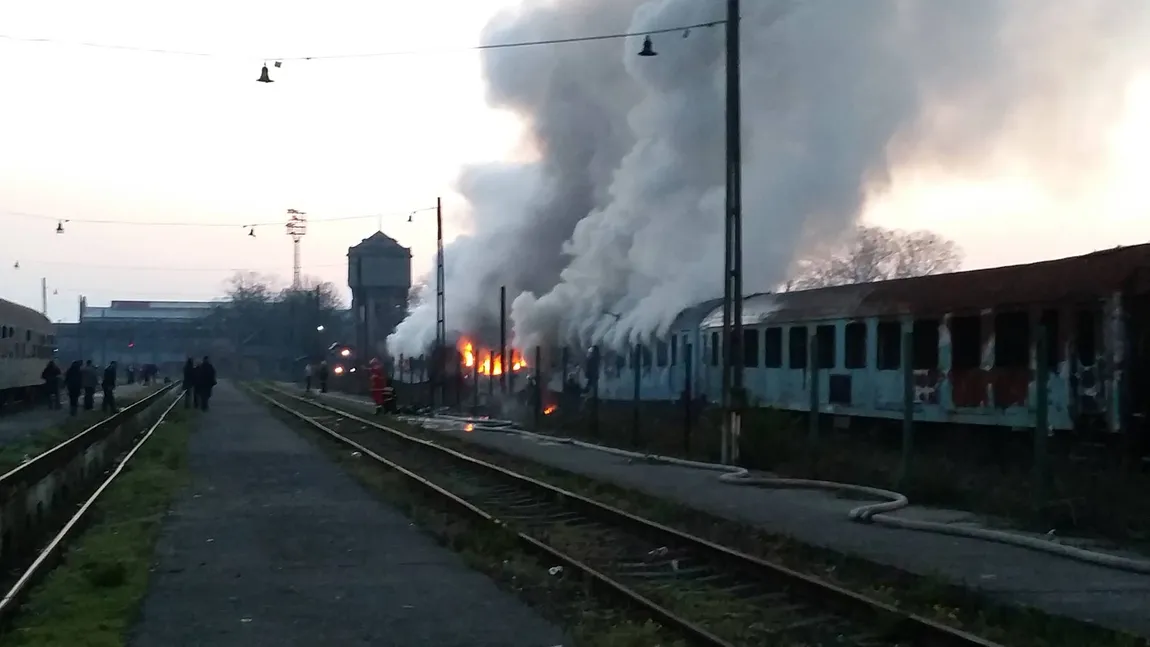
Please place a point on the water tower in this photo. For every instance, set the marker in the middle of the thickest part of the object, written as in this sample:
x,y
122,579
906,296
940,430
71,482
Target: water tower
x,y
379,275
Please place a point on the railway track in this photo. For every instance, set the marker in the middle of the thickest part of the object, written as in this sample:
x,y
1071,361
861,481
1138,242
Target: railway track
x,y
711,594
42,502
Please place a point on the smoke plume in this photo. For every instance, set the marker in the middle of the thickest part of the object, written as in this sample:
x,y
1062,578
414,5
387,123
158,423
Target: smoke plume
x,y
617,225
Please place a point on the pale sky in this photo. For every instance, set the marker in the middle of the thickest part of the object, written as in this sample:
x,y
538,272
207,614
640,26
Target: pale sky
x,y
88,133
92,133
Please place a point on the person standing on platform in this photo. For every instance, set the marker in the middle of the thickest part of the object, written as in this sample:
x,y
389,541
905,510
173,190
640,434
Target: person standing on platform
x,y
89,378
323,376
307,371
109,387
74,383
51,377
205,382
190,384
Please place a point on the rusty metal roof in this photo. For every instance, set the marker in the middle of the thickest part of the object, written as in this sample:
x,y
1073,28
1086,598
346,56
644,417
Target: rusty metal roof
x,y
1077,279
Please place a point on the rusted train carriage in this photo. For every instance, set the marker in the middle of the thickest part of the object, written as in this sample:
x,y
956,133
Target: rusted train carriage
x,y
973,346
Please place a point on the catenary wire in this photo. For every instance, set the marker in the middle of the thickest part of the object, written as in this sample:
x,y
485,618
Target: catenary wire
x,y
490,46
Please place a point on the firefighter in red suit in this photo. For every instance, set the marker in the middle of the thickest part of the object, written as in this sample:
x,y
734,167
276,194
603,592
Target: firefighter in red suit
x,y
378,384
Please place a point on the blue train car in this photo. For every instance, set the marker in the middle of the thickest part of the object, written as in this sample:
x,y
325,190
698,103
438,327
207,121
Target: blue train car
x,y
973,346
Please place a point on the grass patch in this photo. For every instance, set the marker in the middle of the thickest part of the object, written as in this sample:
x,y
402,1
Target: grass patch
x,y
33,444
92,597
563,599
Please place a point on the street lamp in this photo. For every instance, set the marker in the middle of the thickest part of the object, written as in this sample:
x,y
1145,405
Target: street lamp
x,y
734,395
319,328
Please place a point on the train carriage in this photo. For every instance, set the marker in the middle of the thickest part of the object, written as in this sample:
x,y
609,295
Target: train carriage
x,y
27,342
973,346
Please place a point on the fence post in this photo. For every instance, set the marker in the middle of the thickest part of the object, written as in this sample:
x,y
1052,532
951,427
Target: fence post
x,y
593,377
907,408
1041,417
688,396
475,385
813,371
636,362
538,395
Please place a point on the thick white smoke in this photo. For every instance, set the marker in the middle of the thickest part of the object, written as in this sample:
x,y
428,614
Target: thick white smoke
x,y
618,226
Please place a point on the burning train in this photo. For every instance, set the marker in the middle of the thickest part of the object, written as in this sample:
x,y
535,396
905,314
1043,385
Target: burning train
x,y
973,347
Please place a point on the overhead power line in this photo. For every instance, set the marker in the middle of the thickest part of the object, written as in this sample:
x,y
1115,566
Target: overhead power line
x,y
510,45
168,223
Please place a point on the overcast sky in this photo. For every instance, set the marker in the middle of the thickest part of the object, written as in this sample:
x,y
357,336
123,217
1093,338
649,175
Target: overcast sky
x,y
103,134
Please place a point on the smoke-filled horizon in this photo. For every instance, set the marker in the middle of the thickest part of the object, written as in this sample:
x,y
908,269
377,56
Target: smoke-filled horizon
x,y
616,227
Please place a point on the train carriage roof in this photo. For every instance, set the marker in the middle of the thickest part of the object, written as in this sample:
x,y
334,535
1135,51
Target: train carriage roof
x,y
1072,280
14,314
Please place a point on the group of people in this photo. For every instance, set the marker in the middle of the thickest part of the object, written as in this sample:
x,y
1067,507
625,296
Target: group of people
x,y
318,372
80,379
199,380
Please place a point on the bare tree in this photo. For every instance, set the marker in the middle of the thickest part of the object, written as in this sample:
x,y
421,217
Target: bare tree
x,y
876,254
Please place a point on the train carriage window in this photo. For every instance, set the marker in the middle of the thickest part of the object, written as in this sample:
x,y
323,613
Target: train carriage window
x,y
1086,337
773,347
826,346
660,353
797,346
674,350
889,342
924,344
27,335
854,345
714,349
1011,340
645,355
750,347
1050,320
965,343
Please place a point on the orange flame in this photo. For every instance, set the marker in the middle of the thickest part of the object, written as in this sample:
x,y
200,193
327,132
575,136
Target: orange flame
x,y
550,409
486,358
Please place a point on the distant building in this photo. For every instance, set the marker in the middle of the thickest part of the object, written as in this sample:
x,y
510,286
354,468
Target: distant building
x,y
137,332
379,275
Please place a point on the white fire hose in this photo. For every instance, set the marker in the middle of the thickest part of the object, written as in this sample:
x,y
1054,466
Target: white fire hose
x,y
869,513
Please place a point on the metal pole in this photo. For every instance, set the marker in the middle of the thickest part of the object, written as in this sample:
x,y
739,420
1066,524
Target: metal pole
x,y
538,389
593,375
688,359
732,383
813,371
907,407
490,375
735,205
440,308
475,383
636,360
1041,377
44,296
503,368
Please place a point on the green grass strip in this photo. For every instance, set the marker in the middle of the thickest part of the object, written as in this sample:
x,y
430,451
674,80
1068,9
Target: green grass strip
x,y
92,598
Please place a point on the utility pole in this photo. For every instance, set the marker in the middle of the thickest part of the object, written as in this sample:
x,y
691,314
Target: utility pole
x,y
297,229
734,396
44,296
440,307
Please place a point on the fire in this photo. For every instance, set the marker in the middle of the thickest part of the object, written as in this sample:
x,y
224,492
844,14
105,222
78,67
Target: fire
x,y
486,358
550,409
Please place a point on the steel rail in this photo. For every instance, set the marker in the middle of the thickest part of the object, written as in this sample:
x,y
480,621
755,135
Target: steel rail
x,y
10,603
896,623
44,463
695,633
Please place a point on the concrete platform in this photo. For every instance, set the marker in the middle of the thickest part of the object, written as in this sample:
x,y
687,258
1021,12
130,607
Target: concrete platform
x,y
275,545
18,425
1057,585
